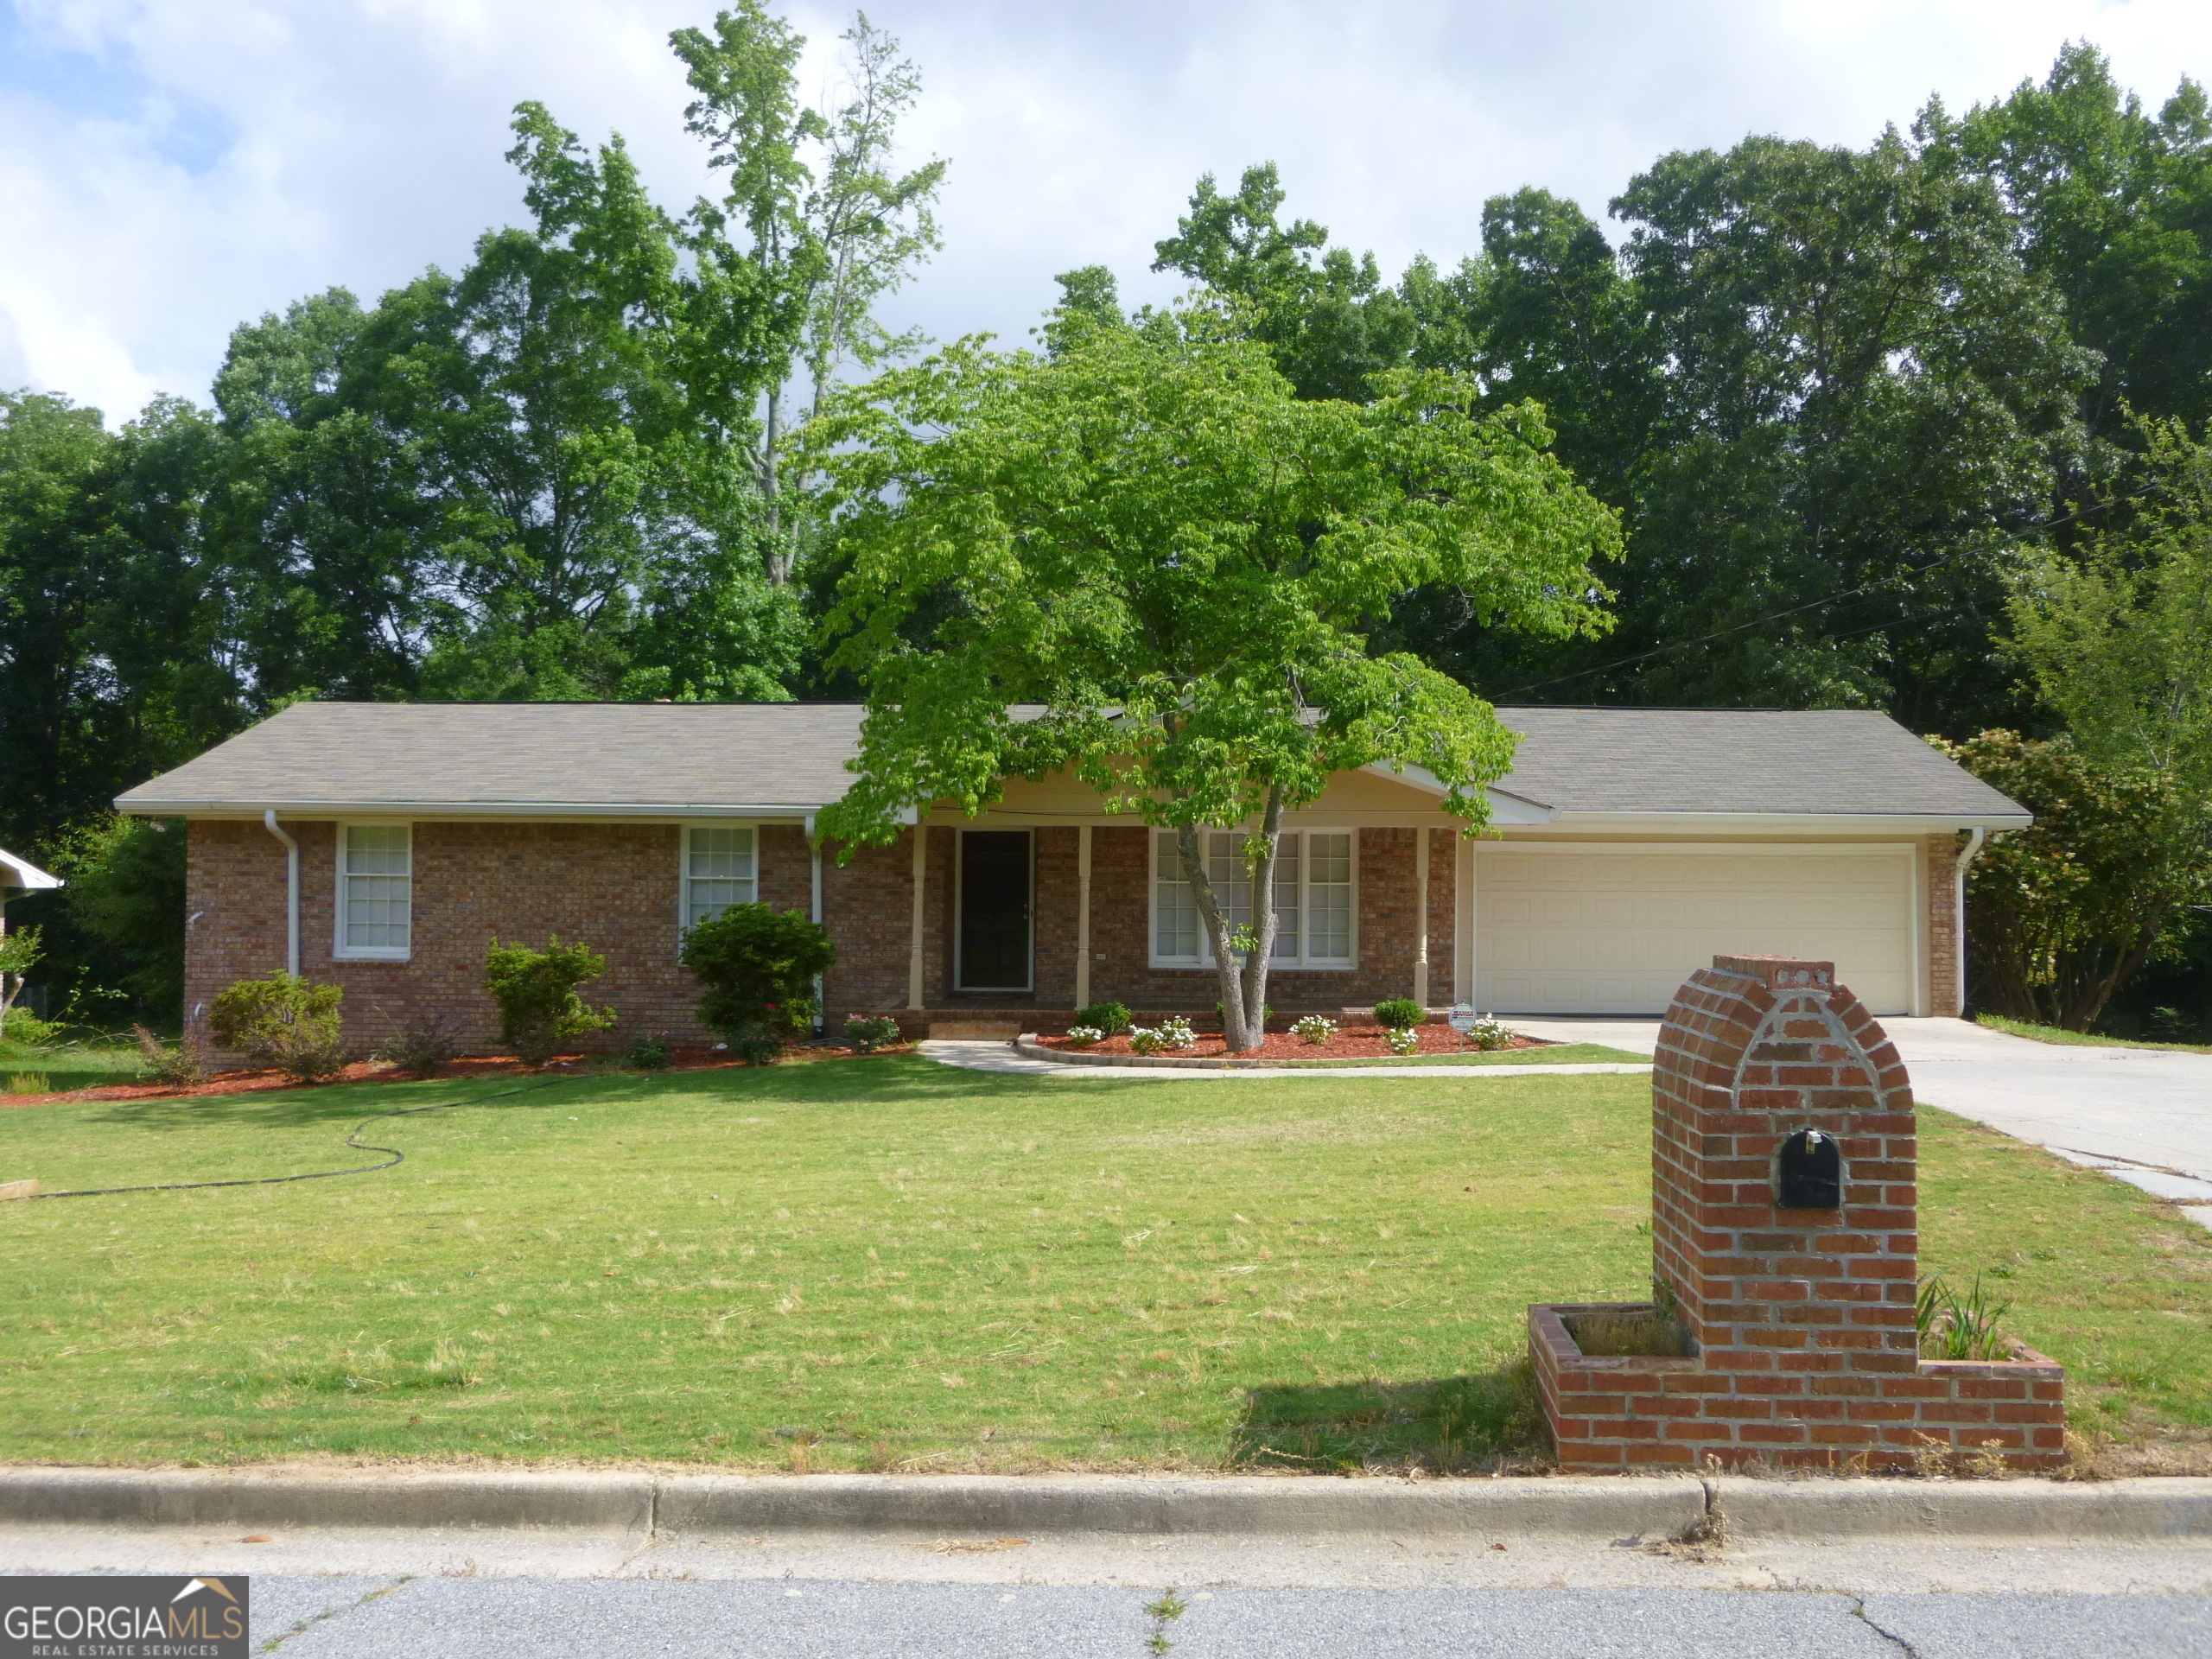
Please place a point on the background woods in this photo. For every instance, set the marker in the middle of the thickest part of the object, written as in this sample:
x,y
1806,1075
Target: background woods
x,y
1917,426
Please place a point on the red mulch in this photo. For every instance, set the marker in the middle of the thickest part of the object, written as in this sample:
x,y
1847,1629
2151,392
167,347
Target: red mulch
x,y
488,1065
1350,1043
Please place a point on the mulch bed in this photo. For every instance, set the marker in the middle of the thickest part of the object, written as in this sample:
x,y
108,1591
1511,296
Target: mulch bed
x,y
489,1065
1350,1043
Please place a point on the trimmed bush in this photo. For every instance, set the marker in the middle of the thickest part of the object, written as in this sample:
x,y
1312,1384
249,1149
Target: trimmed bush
x,y
1111,1018
756,968
867,1032
649,1052
1400,1013
289,1023
537,993
423,1045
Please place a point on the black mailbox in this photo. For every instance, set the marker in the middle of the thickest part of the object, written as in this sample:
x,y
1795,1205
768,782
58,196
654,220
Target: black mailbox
x,y
1811,1173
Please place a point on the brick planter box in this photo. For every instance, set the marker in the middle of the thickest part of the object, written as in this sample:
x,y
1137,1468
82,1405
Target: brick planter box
x,y
1800,1313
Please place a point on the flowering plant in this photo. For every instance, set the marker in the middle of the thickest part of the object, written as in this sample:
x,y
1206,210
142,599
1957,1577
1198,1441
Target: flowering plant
x,y
1084,1036
1404,1039
1314,1028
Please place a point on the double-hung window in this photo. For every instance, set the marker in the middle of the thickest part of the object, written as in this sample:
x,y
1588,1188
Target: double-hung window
x,y
721,867
1312,893
376,880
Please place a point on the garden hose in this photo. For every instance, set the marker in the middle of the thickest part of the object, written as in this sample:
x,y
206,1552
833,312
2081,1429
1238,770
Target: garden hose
x,y
352,1141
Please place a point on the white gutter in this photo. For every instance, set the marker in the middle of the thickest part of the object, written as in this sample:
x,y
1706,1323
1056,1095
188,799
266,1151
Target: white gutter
x,y
1967,854
291,892
494,812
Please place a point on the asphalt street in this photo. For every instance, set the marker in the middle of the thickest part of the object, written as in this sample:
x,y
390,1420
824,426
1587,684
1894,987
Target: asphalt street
x,y
598,1618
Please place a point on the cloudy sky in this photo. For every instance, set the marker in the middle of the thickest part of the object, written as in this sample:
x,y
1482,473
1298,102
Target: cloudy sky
x,y
168,167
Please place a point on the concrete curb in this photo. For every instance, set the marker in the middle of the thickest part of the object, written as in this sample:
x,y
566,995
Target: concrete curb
x,y
1592,1508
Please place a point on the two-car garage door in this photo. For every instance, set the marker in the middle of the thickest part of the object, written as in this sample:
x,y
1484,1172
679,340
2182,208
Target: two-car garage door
x,y
1605,929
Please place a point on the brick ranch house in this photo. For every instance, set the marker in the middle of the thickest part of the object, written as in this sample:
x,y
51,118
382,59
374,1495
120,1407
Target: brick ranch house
x,y
380,845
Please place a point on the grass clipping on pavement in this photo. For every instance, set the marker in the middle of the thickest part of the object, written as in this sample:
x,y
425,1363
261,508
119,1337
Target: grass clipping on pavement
x,y
894,1265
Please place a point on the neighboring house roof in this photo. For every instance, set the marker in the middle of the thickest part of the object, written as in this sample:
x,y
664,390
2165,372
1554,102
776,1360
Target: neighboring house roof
x,y
21,874
660,760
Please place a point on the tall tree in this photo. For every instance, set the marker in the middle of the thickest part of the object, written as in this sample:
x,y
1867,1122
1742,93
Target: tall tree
x,y
1324,314
816,225
1150,535
2111,206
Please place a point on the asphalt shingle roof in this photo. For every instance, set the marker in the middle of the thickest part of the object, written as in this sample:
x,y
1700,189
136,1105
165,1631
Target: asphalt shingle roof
x,y
1821,760
639,758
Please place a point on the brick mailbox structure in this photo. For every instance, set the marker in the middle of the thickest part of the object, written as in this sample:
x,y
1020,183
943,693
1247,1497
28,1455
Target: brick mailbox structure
x,y
1784,1240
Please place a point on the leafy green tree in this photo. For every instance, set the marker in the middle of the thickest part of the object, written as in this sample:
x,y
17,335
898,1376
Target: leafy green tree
x,y
816,226
1826,394
2119,636
1149,534
2112,207
2063,914
1324,314
125,895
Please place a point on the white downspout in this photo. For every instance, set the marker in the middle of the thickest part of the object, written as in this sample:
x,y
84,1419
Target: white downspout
x,y
814,847
1967,854
291,892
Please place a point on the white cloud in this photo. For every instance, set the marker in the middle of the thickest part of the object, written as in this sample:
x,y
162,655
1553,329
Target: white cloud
x,y
168,167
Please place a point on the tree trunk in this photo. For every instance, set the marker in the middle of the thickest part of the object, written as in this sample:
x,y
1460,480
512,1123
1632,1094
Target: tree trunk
x,y
780,555
1243,984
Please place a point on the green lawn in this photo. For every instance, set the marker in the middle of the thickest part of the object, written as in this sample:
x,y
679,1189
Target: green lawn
x,y
888,1263
93,1064
2078,1038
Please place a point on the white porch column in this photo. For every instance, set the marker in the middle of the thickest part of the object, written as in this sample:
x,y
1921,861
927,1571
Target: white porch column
x,y
1083,917
1420,911
921,876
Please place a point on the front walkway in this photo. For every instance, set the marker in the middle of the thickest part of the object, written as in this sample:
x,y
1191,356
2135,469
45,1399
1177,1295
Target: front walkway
x,y
2144,1113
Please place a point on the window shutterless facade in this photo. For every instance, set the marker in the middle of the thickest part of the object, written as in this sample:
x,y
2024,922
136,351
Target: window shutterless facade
x,y
375,893
721,867
1314,906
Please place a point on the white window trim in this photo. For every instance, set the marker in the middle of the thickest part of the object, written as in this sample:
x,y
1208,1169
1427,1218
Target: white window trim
x,y
342,951
683,868
1028,985
1299,964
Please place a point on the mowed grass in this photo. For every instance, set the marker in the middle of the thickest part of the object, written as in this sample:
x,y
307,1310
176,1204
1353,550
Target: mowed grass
x,y
97,1064
892,1264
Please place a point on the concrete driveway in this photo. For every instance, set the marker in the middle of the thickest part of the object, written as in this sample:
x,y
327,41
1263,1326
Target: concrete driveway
x,y
2144,1113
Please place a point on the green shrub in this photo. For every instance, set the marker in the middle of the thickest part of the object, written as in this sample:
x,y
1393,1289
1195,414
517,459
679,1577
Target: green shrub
x,y
1400,1013
20,1028
756,968
867,1032
649,1052
424,1044
29,1083
537,993
1112,1018
289,1023
182,1066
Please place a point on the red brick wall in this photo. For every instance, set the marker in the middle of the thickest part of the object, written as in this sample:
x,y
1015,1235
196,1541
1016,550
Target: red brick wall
x,y
1120,922
1801,1319
1940,865
612,887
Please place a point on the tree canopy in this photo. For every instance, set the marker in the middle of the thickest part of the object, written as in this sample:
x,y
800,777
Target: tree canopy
x,y
1148,536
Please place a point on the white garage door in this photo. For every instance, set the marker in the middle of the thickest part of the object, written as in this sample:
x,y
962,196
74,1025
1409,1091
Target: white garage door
x,y
1615,930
